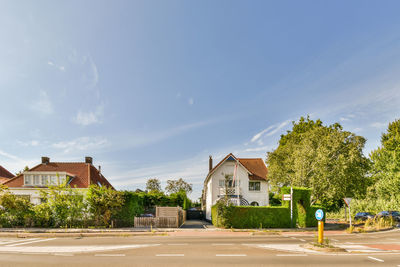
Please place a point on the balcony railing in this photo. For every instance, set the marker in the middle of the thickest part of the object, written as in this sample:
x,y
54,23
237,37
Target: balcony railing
x,y
227,191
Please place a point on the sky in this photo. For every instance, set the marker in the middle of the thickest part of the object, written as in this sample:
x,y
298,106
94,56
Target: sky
x,y
150,89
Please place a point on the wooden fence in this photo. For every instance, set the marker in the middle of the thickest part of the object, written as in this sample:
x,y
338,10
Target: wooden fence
x,y
166,217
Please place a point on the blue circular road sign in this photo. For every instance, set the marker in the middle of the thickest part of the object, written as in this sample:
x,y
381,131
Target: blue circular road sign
x,y
319,214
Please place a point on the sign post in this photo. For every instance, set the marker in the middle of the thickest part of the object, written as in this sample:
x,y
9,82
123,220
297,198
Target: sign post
x,y
347,200
291,206
319,215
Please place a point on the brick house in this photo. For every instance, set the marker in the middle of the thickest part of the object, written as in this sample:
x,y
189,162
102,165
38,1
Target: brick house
x,y
79,175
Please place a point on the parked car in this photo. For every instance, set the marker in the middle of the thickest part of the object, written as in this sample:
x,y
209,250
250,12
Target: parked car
x,y
392,213
363,216
146,215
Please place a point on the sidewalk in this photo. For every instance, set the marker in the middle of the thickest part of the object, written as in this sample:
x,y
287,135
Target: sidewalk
x,y
208,230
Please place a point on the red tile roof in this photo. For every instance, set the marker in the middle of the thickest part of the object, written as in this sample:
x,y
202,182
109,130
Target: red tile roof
x,y
255,166
84,174
5,174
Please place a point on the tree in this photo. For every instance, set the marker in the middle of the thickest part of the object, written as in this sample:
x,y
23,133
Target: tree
x,y
175,186
104,203
324,158
153,185
386,164
22,171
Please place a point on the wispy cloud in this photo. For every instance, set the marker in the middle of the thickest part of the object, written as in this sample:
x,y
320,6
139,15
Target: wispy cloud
x,y
59,67
379,125
191,101
29,143
95,73
89,117
257,149
14,163
81,144
42,104
148,138
271,130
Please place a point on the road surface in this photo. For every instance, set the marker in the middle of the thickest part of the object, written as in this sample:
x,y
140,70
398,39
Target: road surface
x,y
201,249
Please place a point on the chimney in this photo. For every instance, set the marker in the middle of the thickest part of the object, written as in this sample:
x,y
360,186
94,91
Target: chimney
x,y
89,160
99,169
45,160
210,164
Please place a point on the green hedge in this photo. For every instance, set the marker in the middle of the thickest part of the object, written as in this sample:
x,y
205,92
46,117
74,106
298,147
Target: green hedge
x,y
268,217
311,220
252,217
301,204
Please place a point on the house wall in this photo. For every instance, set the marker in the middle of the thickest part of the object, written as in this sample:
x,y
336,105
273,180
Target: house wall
x,y
209,200
34,193
261,197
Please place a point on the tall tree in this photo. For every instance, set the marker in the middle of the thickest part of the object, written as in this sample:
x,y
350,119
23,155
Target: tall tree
x,y
386,164
324,158
175,186
153,185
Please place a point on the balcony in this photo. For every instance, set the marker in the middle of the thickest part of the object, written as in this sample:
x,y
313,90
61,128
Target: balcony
x,y
227,191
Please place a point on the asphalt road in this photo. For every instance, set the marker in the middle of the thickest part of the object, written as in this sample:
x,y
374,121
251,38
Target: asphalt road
x,y
201,249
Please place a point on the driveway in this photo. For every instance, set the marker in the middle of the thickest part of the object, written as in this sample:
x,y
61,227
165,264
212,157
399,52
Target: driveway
x,y
196,224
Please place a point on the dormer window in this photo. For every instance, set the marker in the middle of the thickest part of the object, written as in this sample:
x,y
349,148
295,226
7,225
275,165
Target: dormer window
x,y
44,178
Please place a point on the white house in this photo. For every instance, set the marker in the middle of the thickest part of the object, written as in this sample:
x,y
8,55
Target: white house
x,y
249,188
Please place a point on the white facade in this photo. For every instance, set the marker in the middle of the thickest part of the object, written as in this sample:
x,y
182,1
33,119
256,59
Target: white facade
x,y
254,191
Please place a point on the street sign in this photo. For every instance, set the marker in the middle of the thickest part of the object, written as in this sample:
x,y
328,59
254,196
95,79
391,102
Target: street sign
x,y
286,197
347,200
319,214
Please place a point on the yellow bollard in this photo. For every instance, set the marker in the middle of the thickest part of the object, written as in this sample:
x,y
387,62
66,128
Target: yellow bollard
x,y
321,232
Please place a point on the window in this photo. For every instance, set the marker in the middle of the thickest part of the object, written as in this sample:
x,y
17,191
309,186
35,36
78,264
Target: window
x,y
254,186
45,179
53,180
230,182
36,179
27,179
254,204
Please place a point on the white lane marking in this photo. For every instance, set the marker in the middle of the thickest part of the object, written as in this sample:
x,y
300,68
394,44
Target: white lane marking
x,y
373,236
302,240
292,237
63,254
391,239
178,244
29,242
170,255
71,249
285,247
109,255
375,259
20,240
230,255
222,244
334,240
291,255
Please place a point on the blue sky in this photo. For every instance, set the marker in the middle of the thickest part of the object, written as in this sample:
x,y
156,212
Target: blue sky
x,y
151,88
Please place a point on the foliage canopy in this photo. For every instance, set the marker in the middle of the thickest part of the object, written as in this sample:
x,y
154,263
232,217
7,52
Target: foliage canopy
x,y
326,159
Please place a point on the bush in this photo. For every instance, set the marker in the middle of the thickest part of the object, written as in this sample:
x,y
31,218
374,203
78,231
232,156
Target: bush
x,y
104,203
133,206
15,210
301,205
311,221
251,217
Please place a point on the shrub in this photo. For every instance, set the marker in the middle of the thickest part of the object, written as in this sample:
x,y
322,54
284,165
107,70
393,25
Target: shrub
x,y
104,203
251,217
15,210
133,206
